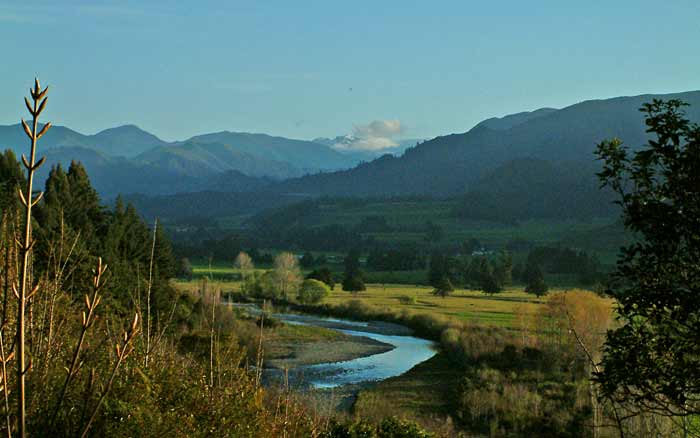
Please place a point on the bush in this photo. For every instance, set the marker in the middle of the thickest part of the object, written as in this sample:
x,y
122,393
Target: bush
x,y
407,299
390,427
312,292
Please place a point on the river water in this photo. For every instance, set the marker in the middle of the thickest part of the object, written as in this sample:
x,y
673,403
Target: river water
x,y
408,352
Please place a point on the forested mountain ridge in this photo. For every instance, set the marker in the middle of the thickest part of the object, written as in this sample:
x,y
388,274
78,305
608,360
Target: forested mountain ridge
x,y
450,164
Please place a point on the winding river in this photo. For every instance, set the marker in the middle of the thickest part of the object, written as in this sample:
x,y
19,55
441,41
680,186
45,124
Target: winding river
x,y
408,352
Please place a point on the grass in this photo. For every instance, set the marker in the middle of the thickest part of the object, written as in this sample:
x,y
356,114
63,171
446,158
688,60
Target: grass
x,y
426,393
463,305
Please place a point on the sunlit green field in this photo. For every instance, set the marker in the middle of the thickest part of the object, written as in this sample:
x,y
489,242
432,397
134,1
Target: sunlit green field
x,y
464,305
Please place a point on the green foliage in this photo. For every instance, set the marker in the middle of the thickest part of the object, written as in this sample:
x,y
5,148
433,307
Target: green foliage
x,y
534,280
307,260
438,269
11,178
408,299
312,292
406,258
259,285
388,428
486,275
503,271
653,358
443,287
353,280
322,274
185,269
562,260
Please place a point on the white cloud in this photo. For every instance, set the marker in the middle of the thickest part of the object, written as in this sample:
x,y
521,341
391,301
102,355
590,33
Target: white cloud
x,y
374,136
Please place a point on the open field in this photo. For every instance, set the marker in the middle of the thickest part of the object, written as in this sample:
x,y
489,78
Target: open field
x,y
463,305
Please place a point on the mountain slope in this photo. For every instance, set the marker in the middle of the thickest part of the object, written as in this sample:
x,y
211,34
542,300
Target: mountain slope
x,y
117,175
531,188
450,164
203,159
187,166
125,141
303,155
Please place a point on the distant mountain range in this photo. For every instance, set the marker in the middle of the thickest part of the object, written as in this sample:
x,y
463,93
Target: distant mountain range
x,y
548,150
128,159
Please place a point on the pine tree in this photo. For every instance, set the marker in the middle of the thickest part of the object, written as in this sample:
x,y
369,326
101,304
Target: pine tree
x,y
534,279
353,278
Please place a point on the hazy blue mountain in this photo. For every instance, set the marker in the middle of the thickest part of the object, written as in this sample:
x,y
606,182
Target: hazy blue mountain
x,y
201,159
122,141
13,137
179,166
306,156
450,164
125,141
114,175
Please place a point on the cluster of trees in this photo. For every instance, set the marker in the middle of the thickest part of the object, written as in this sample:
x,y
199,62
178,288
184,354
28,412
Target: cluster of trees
x,y
397,259
490,275
562,260
283,283
72,221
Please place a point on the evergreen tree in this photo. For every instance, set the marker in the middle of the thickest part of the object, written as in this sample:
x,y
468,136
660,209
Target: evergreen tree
x,y
503,271
438,269
11,178
534,279
443,288
323,274
353,278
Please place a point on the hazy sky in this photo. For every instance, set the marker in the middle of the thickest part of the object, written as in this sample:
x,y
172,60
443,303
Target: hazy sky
x,y
317,68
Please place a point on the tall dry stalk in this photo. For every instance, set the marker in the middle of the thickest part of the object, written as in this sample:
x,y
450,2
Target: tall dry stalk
x,y
211,296
5,388
91,303
25,291
148,296
122,350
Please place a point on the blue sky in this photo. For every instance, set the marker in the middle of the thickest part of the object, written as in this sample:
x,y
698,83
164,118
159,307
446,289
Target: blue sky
x,y
317,68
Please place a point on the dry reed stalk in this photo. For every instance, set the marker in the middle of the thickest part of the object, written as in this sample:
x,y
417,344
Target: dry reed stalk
x,y
5,383
259,358
122,350
148,296
25,291
88,319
